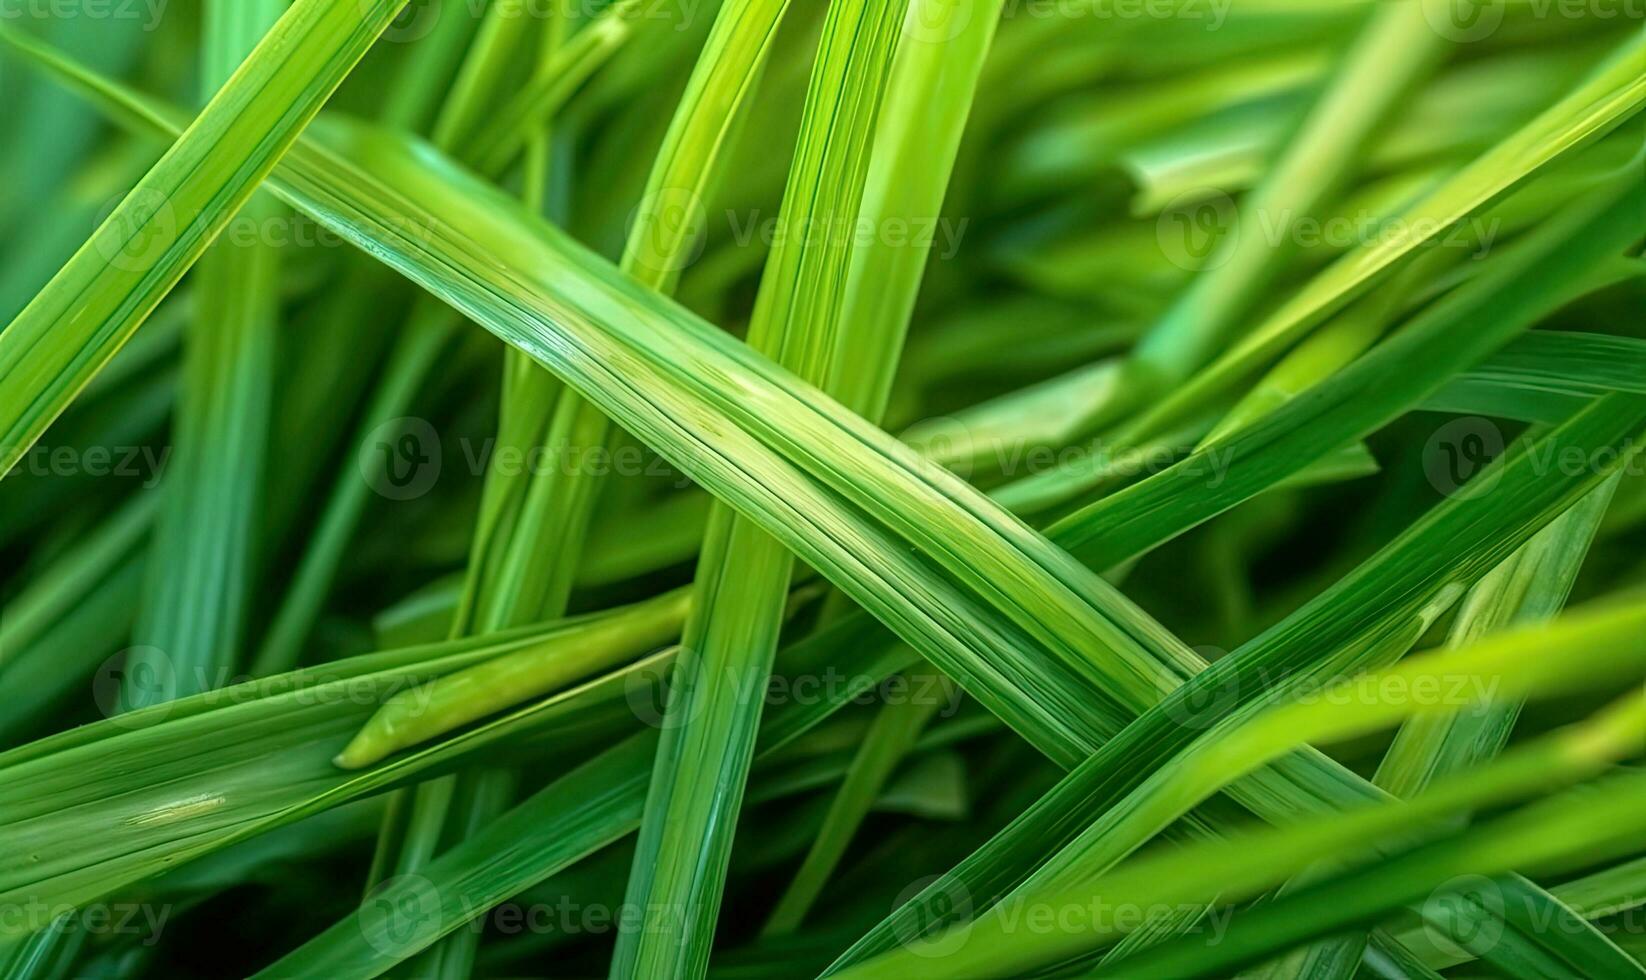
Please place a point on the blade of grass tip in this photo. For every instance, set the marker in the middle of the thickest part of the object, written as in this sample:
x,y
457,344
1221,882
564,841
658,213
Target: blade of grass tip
x,y
924,113
421,819
1512,664
1052,704
714,703
1612,94
1396,49
583,811
1057,709
89,309
509,579
203,556
472,694
1530,586
426,335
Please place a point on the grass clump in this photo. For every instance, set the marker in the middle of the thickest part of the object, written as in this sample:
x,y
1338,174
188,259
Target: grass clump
x,y
864,489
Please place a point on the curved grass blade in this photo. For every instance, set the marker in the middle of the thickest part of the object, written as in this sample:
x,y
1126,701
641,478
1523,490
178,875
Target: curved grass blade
x,y
1368,618
185,778
586,810
1050,733
990,946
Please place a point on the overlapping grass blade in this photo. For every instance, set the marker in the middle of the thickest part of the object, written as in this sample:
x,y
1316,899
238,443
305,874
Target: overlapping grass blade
x,y
115,280
713,714
990,946
205,542
1529,587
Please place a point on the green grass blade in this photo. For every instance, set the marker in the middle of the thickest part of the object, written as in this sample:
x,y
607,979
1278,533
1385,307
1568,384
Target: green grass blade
x,y
1615,92
990,945
1530,586
1522,284
884,746
1371,616
203,567
742,579
114,281
585,810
